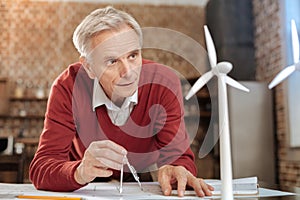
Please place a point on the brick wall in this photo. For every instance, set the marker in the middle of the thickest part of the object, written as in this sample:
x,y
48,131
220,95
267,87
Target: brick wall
x,y
269,60
36,44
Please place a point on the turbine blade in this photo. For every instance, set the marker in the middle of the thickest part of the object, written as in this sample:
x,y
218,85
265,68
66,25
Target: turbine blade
x,y
295,42
282,75
210,48
235,84
199,84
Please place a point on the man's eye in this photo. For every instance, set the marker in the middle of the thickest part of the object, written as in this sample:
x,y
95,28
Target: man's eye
x,y
111,61
133,56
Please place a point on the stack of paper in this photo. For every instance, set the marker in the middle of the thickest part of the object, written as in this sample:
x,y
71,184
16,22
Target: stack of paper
x,y
241,186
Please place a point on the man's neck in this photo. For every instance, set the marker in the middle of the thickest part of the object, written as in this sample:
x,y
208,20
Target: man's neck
x,y
118,101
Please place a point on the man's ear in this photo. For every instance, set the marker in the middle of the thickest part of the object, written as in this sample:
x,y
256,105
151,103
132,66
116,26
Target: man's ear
x,y
87,67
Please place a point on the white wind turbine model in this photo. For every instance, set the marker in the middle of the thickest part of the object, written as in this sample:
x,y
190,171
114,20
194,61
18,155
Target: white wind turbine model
x,y
296,66
220,70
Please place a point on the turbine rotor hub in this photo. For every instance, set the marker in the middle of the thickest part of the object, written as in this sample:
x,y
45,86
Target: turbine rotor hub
x,y
223,67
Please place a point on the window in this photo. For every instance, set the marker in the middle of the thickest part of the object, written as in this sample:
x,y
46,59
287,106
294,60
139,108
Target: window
x,y
291,10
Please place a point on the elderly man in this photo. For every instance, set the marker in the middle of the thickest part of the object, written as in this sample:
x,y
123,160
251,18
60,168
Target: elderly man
x,y
111,107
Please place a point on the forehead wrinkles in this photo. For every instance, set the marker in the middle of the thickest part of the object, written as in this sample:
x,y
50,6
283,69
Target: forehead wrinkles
x,y
116,45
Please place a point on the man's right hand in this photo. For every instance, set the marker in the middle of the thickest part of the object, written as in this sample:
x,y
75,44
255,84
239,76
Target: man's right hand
x,y
98,160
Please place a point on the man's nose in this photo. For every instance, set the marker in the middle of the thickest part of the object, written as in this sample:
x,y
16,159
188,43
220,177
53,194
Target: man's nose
x,y
125,68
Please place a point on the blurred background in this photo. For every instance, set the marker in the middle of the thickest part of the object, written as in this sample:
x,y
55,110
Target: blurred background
x,y
36,46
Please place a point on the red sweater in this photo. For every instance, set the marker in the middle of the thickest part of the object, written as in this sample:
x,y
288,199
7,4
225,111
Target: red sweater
x,y
154,133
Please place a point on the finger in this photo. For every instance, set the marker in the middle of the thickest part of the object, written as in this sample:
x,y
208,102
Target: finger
x,y
164,180
196,185
200,187
181,184
87,171
101,172
206,188
211,188
89,161
111,145
107,163
109,154
94,172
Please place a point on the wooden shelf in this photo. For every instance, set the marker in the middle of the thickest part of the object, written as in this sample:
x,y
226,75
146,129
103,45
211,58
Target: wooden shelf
x,y
22,117
28,99
27,140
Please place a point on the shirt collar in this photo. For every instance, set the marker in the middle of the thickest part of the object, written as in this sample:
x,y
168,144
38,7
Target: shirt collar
x,y
100,98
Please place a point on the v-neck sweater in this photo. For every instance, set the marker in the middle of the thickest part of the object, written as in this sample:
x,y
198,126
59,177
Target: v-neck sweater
x,y
155,132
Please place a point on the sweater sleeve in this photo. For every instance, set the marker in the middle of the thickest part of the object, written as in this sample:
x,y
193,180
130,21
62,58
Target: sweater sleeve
x,y
52,167
172,139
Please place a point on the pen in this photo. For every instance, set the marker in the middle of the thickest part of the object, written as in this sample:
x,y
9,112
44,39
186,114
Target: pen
x,y
47,197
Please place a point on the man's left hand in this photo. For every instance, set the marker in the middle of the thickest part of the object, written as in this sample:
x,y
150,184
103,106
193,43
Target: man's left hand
x,y
169,175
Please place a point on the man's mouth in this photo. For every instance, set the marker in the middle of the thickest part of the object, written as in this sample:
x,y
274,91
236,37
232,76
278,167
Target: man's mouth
x,y
126,84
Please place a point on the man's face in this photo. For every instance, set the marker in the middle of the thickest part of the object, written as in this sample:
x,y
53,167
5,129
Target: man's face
x,y
116,61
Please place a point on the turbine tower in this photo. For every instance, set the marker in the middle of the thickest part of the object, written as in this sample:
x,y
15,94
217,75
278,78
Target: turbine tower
x,y
220,70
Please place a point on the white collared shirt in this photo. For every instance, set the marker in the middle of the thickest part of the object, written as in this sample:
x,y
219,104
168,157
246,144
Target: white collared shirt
x,y
117,115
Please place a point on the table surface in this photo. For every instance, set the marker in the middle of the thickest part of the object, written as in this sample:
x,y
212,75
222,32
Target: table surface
x,y
131,191
295,190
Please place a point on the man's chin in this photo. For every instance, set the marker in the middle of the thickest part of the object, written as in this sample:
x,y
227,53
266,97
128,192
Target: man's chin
x,y
124,92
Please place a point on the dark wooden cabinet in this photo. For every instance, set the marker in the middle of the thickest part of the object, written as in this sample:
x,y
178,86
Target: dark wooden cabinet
x,y
24,122
12,168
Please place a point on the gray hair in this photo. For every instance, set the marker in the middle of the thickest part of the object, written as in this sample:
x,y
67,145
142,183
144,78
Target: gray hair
x,y
99,20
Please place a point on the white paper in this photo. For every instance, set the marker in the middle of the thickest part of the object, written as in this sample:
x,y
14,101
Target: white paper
x,y
151,190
